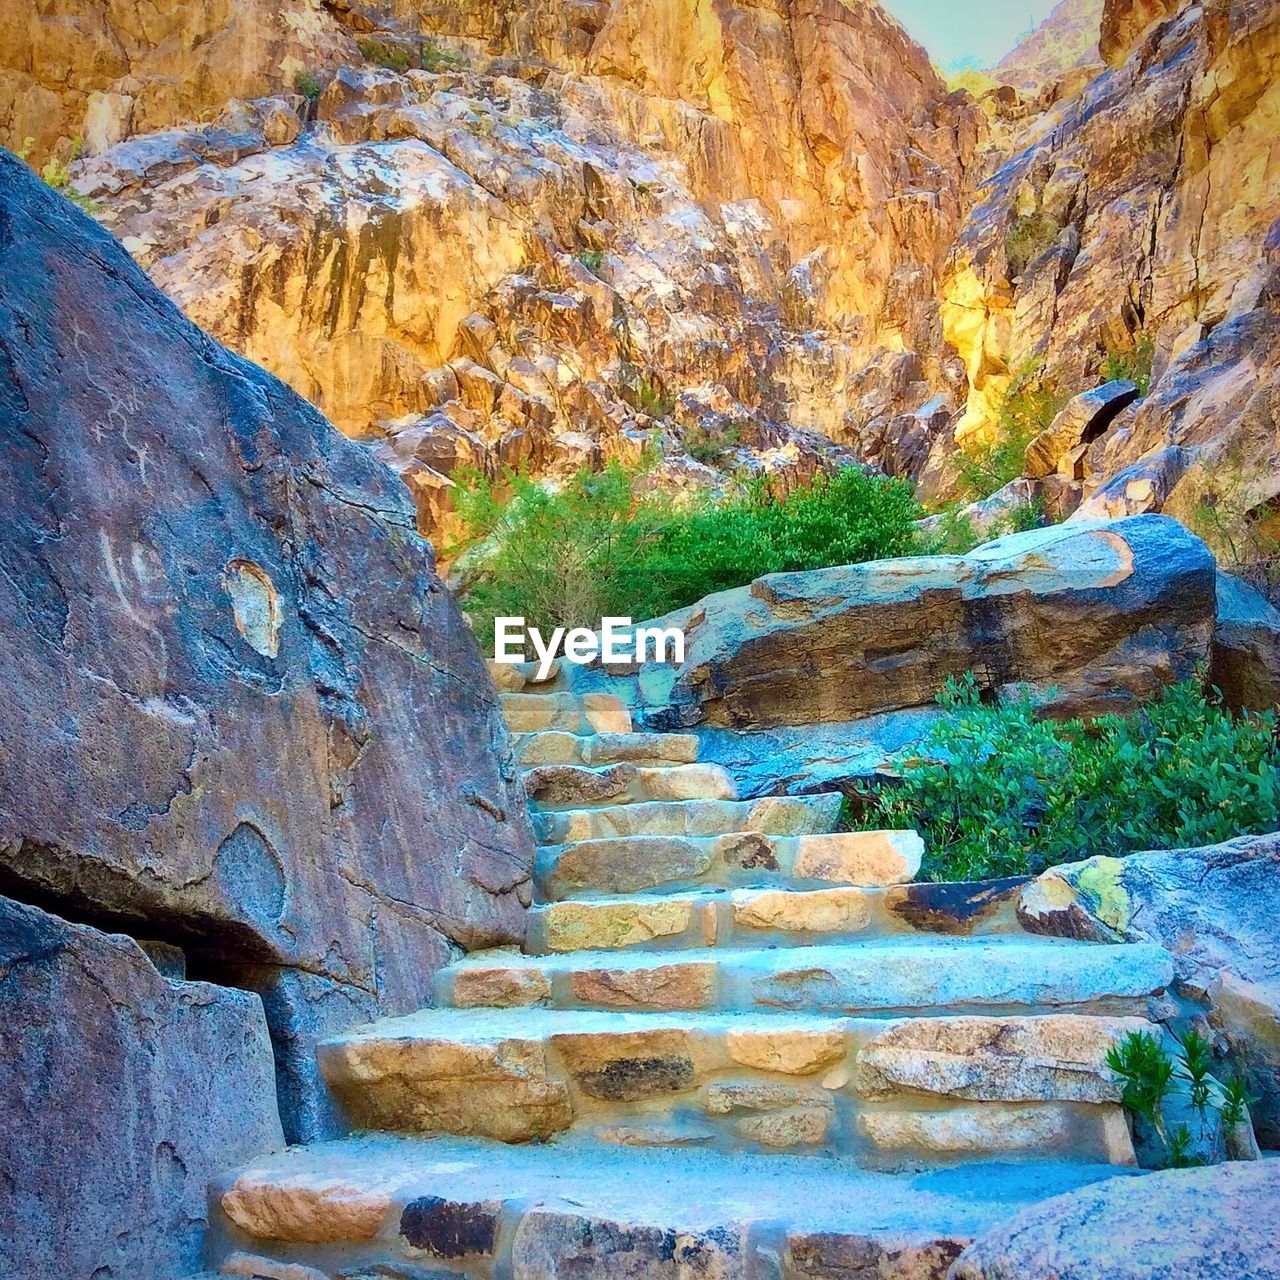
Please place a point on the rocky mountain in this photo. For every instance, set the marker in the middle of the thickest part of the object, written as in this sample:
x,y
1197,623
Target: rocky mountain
x,y
1067,40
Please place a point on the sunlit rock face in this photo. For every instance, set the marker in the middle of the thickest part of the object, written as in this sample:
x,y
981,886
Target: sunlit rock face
x,y
1138,208
102,72
591,229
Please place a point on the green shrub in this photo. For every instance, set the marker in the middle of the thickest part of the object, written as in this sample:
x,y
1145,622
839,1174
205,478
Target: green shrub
x,y
1029,405
57,174
592,259
711,447
648,395
598,546
382,53
1131,366
1218,500
995,790
308,84
432,58
1027,238
956,533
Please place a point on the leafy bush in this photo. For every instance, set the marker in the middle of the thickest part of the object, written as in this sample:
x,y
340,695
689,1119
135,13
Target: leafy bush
x,y
997,791
396,56
1131,366
308,84
1218,500
598,546
956,533
1027,238
648,395
711,447
592,259
1029,405
432,58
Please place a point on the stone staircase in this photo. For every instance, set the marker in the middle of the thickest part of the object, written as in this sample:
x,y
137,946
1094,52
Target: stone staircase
x,y
731,984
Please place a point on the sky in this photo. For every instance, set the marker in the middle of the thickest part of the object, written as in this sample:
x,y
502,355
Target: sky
x,y
968,32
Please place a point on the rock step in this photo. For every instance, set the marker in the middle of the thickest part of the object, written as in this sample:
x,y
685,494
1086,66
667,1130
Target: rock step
x,y
773,815
884,1091
575,1210
585,713
771,917
921,974
556,747
516,677
632,864
570,786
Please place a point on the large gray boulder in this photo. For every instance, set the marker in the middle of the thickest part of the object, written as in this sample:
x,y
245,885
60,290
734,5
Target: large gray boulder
x,y
1091,617
1184,1224
1246,647
1214,910
240,712
122,1093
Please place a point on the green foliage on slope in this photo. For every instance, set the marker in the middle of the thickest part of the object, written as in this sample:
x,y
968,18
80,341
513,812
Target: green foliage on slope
x,y
997,791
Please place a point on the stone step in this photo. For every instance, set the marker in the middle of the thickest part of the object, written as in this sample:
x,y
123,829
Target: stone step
x,y
555,747
921,974
569,786
517,677
576,1210
584,713
885,1091
635,863
771,917
772,815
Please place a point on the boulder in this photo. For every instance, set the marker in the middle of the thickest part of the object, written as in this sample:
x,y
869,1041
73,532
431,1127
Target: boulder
x,y
1184,1224
242,716
122,1093
1246,647
1092,617
1214,910
1080,422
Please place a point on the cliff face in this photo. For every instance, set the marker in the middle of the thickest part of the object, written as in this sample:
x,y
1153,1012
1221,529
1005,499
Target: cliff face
x,y
1136,211
586,228
1065,41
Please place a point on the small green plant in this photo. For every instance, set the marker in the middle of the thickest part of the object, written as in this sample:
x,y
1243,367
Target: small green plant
x,y
648,395
1236,1100
711,447
57,174
1029,405
307,83
1178,1150
1027,238
1197,1062
592,259
1145,1072
1218,501
996,790
432,58
382,53
1131,366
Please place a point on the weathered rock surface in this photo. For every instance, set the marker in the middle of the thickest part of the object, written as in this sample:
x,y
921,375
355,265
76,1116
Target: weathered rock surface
x,y
1214,910
1138,209
1185,1224
1064,43
241,714
1246,647
122,1094
1092,617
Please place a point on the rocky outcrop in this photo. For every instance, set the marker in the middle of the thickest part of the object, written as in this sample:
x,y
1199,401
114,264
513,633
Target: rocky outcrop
x,y
573,238
1185,1224
1092,617
1066,41
1214,910
242,715
104,72
122,1094
1134,213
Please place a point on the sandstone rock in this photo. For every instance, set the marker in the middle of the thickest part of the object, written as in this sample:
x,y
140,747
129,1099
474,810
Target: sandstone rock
x,y
790,1052
679,986
838,644
821,911
502,988
121,1095
621,1066
258,1268
1084,418
956,908
578,926
1213,908
860,857
249,719
309,1208
1192,1224
1050,1058
1246,647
